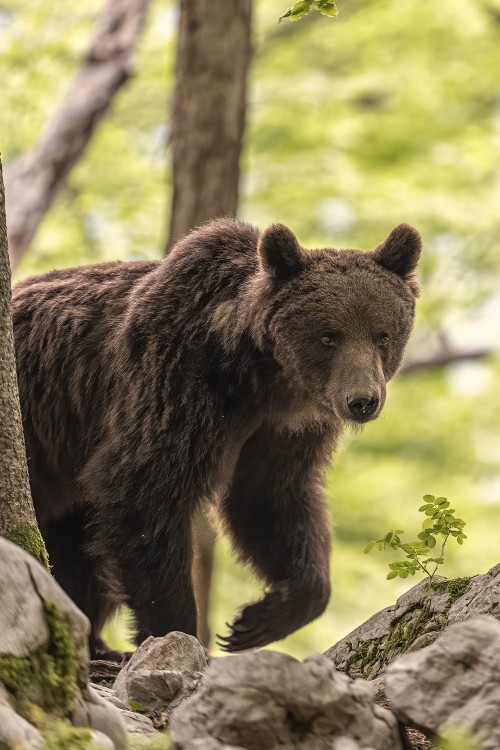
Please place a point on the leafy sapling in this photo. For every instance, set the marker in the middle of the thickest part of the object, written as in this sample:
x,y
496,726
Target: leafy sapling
x,y
302,8
440,524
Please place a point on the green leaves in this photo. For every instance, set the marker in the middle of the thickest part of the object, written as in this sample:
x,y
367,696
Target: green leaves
x,y
302,8
297,11
439,524
327,8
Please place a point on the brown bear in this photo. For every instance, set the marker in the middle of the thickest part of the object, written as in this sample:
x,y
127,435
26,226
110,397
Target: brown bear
x,y
224,372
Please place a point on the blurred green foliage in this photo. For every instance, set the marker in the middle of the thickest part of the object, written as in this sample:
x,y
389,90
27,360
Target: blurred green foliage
x,y
391,113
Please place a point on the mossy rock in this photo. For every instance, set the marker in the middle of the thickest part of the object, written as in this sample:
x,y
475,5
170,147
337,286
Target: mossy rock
x,y
29,539
66,737
414,622
48,676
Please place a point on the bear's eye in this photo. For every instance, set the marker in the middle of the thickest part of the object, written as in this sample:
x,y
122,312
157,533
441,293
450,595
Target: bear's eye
x,y
383,339
329,339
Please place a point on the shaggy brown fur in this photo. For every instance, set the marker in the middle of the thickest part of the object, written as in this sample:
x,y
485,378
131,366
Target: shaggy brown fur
x,y
224,371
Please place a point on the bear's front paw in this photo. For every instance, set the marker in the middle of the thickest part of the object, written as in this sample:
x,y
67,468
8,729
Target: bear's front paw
x,y
285,608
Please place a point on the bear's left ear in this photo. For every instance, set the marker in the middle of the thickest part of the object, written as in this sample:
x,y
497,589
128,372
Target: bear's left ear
x,y
400,252
280,252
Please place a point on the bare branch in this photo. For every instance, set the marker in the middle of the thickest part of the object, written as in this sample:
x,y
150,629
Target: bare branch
x,y
33,182
442,358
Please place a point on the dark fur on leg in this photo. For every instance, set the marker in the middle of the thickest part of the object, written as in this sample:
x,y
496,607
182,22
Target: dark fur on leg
x,y
87,579
276,486
155,570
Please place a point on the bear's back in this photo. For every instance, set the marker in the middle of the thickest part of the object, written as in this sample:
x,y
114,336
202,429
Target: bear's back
x,y
76,329
63,321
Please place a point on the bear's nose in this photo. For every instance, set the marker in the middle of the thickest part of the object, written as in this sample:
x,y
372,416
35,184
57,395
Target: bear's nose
x,y
362,406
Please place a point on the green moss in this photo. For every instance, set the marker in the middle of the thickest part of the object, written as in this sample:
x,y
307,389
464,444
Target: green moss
x,y
65,737
409,626
364,658
457,737
158,743
57,733
48,676
369,657
29,539
456,587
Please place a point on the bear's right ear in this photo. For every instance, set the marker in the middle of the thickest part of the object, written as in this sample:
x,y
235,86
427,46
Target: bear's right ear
x,y
400,252
280,252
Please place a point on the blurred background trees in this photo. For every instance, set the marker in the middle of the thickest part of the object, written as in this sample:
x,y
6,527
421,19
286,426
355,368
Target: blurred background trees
x,y
208,111
34,180
389,113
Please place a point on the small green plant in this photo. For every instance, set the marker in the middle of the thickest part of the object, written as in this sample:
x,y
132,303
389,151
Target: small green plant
x,y
302,8
440,523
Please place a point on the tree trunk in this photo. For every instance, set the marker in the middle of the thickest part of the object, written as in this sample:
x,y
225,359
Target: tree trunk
x,y
208,120
17,516
33,182
208,123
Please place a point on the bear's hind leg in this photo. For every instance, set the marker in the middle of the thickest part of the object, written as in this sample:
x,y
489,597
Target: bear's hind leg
x,y
155,571
85,577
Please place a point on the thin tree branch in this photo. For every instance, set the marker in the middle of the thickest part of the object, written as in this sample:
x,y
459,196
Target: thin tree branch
x,y
442,358
33,182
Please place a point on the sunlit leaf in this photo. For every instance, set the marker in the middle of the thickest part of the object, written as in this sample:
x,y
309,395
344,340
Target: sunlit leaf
x,y
327,8
297,11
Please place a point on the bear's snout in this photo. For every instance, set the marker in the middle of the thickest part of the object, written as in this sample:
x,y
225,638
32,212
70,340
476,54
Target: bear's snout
x,y
362,407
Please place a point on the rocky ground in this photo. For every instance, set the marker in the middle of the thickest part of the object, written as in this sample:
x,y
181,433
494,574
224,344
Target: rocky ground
x,y
422,674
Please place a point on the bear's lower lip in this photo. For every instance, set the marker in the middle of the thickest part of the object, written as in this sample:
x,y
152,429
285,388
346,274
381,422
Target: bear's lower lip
x,y
363,418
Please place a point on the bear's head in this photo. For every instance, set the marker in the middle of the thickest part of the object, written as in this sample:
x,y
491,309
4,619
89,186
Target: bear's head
x,y
337,321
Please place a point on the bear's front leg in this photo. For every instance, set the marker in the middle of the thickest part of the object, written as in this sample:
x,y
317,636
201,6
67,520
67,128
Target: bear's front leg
x,y
276,514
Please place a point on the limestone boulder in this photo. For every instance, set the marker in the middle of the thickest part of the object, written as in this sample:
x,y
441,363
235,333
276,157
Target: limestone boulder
x,y
44,658
452,686
415,621
270,700
161,673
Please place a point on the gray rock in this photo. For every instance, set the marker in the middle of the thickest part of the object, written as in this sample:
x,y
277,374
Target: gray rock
x,y
454,683
104,672
100,741
15,731
109,695
270,700
24,584
94,712
24,588
138,725
415,621
481,598
135,723
209,744
161,673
